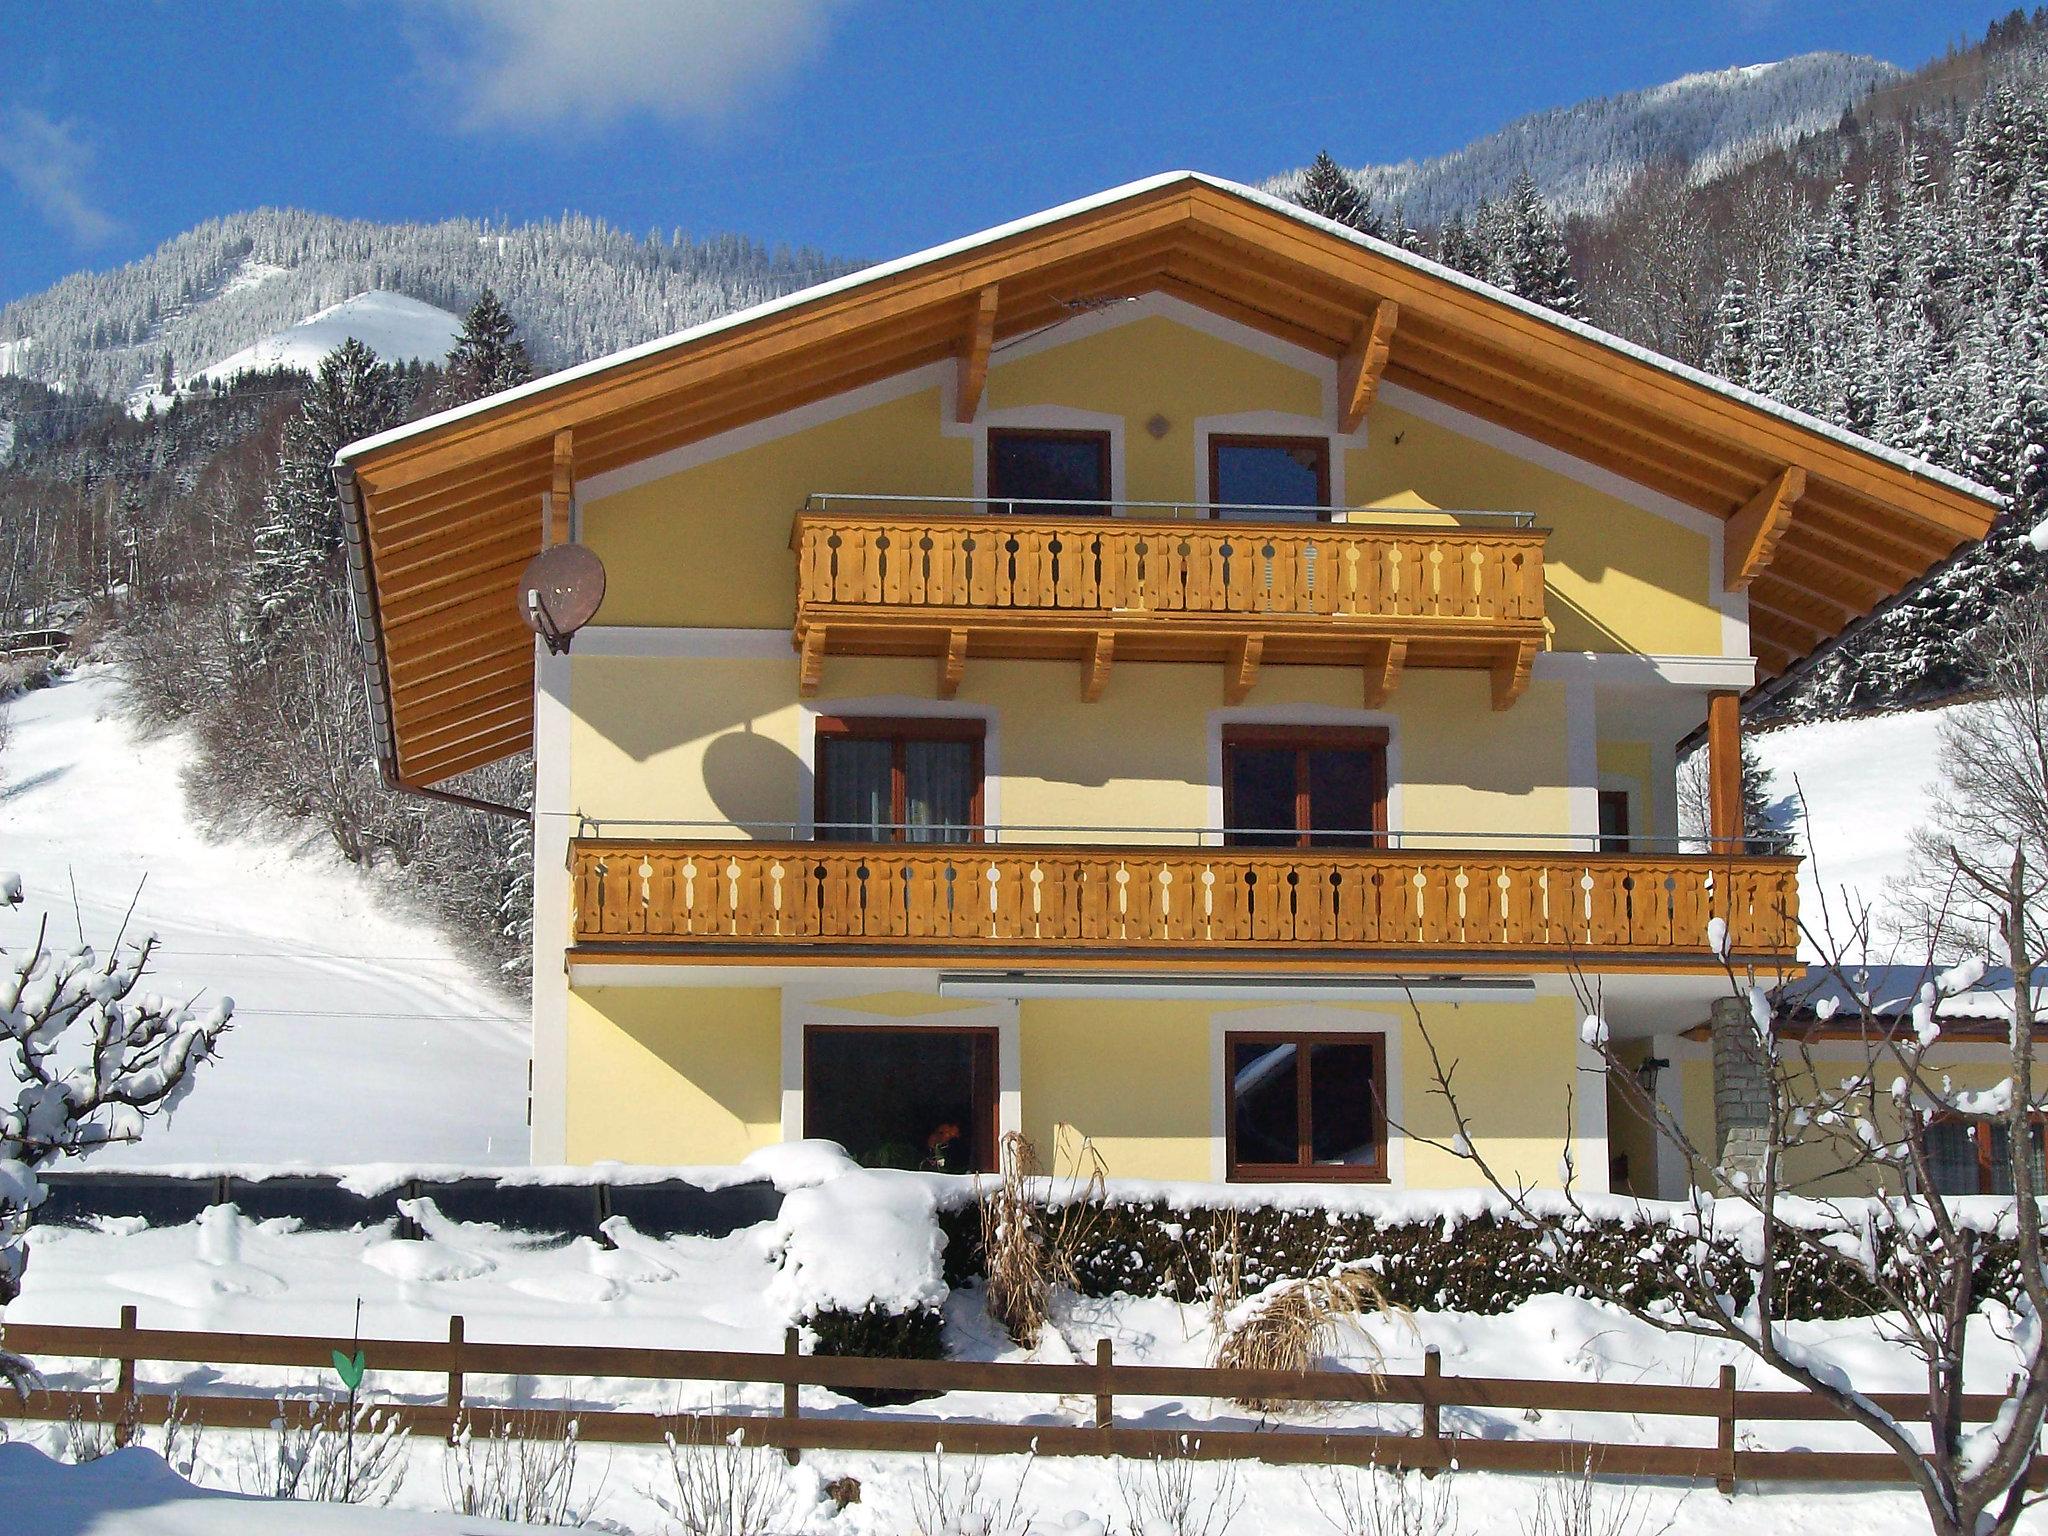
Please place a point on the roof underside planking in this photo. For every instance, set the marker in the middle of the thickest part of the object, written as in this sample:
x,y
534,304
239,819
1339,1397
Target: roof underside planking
x,y
1822,529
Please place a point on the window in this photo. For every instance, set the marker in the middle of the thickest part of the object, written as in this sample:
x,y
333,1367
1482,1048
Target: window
x,y
1614,829
1305,1107
1027,470
903,1098
1969,1157
898,781
1302,787
1270,477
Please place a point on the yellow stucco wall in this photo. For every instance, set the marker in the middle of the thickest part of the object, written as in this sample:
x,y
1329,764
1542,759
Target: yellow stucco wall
x,y
707,546
673,1075
722,740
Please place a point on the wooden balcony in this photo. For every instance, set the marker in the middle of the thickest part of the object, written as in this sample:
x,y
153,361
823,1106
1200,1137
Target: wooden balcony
x,y
1038,906
878,576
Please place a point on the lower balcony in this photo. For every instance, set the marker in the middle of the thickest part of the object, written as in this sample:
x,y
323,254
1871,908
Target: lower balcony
x,y
1038,906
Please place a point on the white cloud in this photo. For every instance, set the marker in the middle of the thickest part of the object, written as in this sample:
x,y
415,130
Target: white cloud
x,y
520,63
47,161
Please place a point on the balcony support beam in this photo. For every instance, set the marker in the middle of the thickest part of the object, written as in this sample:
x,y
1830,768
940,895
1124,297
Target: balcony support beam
x,y
1100,655
1511,673
974,355
562,493
1383,671
1241,672
810,660
1752,535
953,665
1358,376
1724,770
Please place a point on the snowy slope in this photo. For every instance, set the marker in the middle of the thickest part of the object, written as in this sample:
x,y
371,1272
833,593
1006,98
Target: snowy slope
x,y
1582,155
396,328
359,1034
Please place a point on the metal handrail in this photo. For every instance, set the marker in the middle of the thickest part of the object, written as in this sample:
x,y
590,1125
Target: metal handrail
x,y
820,501
985,833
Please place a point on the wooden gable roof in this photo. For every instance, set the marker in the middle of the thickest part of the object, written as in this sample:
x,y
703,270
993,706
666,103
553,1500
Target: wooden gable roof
x,y
444,512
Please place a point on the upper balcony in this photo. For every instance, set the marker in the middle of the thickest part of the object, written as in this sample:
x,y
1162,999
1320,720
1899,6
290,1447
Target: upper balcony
x,y
1158,581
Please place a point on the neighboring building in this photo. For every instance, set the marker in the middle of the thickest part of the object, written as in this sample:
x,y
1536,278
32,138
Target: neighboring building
x,y
1086,679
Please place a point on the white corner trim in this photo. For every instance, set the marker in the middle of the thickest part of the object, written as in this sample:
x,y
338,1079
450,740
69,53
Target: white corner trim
x,y
1625,669
1581,757
553,822
1591,1174
661,465
695,644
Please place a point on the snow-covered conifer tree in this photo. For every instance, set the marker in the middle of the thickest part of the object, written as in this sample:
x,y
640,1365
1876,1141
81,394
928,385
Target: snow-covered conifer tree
x,y
1327,189
488,355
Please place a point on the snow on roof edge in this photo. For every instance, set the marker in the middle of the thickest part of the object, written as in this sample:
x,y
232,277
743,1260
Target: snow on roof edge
x,y
853,280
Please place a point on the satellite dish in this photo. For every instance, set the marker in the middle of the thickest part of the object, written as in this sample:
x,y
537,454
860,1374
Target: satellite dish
x,y
559,592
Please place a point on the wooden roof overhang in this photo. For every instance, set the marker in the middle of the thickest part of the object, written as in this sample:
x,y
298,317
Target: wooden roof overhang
x,y
444,513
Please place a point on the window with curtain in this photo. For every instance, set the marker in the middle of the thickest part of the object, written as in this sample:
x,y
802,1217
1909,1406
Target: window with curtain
x,y
899,781
1970,1157
1288,787
1305,1106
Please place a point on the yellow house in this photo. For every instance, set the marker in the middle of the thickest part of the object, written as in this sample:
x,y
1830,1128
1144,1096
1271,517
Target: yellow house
x,y
1124,675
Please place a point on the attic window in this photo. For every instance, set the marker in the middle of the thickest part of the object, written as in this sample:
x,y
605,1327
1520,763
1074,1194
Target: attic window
x,y
1270,477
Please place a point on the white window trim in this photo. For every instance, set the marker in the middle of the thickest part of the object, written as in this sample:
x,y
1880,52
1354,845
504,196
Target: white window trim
x,y
900,706
1307,1019
1275,424
1049,418
1314,715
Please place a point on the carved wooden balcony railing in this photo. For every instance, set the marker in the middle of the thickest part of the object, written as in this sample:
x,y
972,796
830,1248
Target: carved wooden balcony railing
x,y
1020,905
920,578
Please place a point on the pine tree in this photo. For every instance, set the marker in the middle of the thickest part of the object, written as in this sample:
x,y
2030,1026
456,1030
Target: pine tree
x,y
298,554
488,355
1456,248
1733,347
1532,254
1327,189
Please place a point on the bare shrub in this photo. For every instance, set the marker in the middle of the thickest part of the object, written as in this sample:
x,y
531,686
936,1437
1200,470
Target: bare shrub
x,y
181,1437
86,1439
1295,1324
726,1487
1029,1249
1374,1502
1226,1269
1570,1506
944,1504
523,1471
332,1456
1163,1496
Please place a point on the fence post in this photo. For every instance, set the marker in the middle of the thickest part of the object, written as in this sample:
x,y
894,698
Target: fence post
x,y
1725,1442
790,1405
455,1383
124,1381
1105,1401
1432,1408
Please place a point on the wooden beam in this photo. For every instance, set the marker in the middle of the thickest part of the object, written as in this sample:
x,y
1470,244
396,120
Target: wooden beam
x,y
1724,770
564,489
810,660
1358,378
1511,673
981,339
953,665
1383,666
1241,672
1753,533
1099,658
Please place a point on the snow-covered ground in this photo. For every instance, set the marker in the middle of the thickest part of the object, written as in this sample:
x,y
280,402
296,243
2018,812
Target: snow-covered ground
x,y
1864,785
360,1034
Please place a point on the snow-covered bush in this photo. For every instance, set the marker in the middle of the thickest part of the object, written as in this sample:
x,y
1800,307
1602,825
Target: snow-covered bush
x,y
87,1059
331,1453
525,1470
726,1487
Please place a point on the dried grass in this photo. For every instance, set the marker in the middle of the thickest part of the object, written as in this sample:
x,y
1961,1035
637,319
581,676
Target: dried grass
x,y
1294,1325
1030,1247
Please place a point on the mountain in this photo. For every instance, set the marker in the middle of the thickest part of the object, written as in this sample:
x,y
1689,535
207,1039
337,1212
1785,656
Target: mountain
x,y
576,286
1582,156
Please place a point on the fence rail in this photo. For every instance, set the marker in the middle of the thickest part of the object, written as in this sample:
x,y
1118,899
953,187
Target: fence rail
x,y
1094,1430
1334,903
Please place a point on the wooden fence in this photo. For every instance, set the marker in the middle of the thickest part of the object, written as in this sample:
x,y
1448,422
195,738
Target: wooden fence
x,y
1085,1425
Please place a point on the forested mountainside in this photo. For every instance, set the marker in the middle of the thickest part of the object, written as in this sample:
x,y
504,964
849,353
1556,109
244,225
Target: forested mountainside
x,y
1582,156
577,287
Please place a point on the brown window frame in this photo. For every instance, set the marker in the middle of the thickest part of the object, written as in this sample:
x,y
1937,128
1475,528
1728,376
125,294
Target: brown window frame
x,y
1302,739
899,729
1306,1170
1101,440
985,1135
1218,440
1625,840
1981,1127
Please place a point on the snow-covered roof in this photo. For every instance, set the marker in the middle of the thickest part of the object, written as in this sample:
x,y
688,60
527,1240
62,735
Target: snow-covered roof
x,y
1114,195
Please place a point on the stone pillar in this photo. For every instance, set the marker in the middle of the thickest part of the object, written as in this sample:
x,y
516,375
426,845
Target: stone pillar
x,y
1742,1089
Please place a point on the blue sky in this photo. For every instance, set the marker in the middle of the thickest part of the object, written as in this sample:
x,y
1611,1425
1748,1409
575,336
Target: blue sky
x,y
864,127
